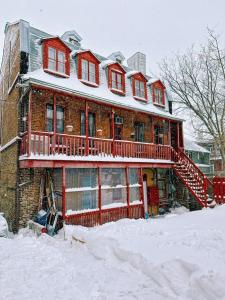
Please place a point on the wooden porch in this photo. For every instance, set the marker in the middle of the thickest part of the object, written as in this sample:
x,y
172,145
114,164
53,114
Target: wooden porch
x,y
53,145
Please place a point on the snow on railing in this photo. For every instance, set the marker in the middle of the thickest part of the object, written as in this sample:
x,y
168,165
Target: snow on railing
x,y
50,144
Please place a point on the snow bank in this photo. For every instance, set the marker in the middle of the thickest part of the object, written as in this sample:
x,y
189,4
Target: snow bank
x,y
167,258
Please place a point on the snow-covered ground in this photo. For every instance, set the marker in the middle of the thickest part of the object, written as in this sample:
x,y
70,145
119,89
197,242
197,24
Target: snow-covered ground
x,y
180,256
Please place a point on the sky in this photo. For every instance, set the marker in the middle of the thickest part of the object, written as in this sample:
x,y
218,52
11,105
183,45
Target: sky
x,y
157,28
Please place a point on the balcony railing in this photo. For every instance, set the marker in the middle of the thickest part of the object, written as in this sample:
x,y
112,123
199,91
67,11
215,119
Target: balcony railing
x,y
48,144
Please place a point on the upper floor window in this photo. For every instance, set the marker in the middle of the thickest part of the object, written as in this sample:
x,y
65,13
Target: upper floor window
x,y
159,99
139,85
158,89
88,71
139,88
116,81
56,59
59,118
116,78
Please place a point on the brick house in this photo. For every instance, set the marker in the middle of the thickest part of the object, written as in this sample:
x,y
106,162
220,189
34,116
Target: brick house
x,y
104,131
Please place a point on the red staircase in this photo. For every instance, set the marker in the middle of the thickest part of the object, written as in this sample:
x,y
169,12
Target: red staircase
x,y
192,177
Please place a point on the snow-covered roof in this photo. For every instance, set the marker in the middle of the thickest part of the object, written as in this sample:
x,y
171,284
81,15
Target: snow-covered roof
x,y
101,94
191,145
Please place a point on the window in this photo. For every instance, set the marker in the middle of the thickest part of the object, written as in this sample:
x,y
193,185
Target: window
x,y
91,124
56,60
134,185
81,189
139,132
113,187
59,119
158,96
117,81
159,134
139,88
88,71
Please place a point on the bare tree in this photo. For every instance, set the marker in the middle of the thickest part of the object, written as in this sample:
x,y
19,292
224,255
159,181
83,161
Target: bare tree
x,y
197,81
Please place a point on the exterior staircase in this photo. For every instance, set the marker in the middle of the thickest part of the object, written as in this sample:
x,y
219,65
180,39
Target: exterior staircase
x,y
192,177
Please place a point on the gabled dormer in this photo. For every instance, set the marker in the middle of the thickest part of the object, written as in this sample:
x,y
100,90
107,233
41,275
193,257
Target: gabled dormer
x,y
139,85
116,77
88,67
158,92
56,56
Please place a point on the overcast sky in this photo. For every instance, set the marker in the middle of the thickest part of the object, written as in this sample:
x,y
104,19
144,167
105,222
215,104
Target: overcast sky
x,y
157,28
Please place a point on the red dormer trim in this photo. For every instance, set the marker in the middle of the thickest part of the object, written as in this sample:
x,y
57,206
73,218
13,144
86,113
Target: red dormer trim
x,y
158,85
117,74
59,47
90,58
137,80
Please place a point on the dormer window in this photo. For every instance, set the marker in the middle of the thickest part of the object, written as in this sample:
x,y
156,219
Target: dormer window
x,y
56,60
158,91
116,81
88,68
56,57
159,96
139,86
116,78
88,71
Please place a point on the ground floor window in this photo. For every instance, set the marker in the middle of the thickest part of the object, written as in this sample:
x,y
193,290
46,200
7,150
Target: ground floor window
x,y
134,185
81,189
113,187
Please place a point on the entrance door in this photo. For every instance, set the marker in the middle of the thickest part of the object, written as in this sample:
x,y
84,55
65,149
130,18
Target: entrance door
x,y
118,132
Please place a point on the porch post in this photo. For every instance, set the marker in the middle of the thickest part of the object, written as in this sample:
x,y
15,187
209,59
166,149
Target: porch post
x,y
128,191
99,195
142,189
113,131
29,122
54,124
178,136
63,192
86,129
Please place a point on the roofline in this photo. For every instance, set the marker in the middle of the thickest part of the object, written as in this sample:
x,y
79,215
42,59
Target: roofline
x,y
97,99
55,37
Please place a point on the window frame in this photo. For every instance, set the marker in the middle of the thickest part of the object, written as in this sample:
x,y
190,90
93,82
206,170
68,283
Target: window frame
x,y
48,105
137,80
56,60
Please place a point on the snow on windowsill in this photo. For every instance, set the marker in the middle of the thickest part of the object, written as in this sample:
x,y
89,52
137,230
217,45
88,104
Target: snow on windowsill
x,y
56,73
113,205
160,105
81,189
71,212
94,84
117,91
140,99
136,202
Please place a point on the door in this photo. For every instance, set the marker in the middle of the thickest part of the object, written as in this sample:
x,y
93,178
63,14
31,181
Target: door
x,y
118,132
173,135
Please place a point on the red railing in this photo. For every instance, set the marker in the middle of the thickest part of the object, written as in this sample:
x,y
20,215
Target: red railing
x,y
45,144
93,218
219,189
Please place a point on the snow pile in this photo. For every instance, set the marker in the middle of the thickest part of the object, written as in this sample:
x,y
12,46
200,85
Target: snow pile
x,y
3,226
167,258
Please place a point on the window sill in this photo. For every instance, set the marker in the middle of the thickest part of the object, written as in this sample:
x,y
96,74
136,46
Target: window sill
x,y
56,73
89,83
122,93
160,105
140,99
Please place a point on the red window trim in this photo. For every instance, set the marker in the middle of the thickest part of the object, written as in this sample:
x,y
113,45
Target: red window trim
x,y
117,69
58,45
88,56
139,77
162,89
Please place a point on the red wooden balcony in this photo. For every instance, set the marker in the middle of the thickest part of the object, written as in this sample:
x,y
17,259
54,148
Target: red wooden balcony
x,y
47,144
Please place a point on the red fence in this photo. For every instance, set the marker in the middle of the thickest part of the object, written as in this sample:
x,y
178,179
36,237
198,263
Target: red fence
x,y
219,189
42,143
93,218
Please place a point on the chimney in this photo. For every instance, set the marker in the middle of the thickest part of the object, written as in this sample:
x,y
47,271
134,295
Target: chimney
x,y
137,62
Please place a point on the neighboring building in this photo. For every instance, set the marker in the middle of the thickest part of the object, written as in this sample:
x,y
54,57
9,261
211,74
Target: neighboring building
x,y
200,156
87,130
215,156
